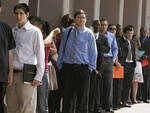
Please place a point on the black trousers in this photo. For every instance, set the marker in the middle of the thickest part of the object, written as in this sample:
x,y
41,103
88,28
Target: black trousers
x,y
117,88
2,94
146,84
95,93
127,81
77,81
107,77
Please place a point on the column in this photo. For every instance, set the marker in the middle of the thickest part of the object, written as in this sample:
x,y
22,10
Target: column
x,y
65,7
23,1
146,13
96,9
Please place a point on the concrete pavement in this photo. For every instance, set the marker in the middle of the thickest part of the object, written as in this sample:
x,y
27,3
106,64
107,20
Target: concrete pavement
x,y
136,108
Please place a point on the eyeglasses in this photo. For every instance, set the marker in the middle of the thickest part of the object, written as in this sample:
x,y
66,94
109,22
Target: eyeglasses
x,y
81,17
104,24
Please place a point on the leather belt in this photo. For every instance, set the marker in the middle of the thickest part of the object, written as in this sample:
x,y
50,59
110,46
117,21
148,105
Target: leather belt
x,y
75,65
17,71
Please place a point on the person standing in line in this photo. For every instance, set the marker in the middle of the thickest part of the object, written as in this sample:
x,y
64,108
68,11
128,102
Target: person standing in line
x,y
96,78
77,58
7,43
21,97
107,67
127,59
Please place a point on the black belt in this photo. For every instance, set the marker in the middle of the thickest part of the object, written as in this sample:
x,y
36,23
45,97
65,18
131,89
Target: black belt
x,y
17,71
75,65
108,57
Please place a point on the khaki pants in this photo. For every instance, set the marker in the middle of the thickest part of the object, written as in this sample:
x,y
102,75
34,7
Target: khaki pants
x,y
20,97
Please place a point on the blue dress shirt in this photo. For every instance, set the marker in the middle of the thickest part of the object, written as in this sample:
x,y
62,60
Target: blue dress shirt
x,y
113,46
85,50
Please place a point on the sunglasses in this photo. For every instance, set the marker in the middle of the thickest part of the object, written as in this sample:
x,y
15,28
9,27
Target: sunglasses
x,y
112,28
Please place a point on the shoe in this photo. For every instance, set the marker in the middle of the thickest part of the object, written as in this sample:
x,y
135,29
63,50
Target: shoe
x,y
109,111
126,105
115,108
146,101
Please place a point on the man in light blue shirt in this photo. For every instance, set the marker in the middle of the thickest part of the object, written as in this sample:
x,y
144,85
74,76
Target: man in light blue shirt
x,y
107,67
77,58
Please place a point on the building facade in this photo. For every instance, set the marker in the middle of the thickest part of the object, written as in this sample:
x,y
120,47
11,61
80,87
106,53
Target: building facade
x,y
124,12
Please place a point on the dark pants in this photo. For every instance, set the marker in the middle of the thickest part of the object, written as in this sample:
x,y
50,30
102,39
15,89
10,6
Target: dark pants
x,y
146,84
95,93
77,81
107,77
117,88
2,94
127,81
42,95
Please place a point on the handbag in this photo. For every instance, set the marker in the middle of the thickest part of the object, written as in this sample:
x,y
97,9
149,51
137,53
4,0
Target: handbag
x,y
144,63
53,85
118,73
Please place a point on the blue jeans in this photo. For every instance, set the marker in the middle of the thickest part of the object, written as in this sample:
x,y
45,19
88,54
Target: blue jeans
x,y
42,95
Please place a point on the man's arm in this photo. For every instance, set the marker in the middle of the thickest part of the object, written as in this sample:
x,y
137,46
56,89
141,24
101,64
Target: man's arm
x,y
10,76
114,48
92,54
40,56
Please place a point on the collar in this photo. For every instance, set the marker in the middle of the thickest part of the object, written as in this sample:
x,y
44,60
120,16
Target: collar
x,y
81,30
25,27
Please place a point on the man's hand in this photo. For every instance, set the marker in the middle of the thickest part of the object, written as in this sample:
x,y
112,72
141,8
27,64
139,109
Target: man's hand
x,y
35,83
118,65
10,78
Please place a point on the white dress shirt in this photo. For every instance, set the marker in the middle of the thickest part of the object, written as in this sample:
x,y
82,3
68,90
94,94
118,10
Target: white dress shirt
x,y
29,48
129,61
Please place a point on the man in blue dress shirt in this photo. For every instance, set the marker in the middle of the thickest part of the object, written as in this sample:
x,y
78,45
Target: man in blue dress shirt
x,y
107,66
77,58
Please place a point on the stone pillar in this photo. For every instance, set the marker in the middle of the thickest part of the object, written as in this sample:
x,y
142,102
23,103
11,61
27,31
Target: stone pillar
x,y
65,7
96,9
23,1
133,13
112,10
146,13
120,11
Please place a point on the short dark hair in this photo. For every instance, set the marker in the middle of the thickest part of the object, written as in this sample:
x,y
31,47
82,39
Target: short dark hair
x,y
103,19
79,11
128,28
22,6
95,22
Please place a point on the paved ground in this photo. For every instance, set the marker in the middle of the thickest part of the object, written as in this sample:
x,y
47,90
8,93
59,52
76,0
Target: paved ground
x,y
136,108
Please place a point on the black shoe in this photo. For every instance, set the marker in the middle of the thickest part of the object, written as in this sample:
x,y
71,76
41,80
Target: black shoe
x,y
109,111
125,105
146,101
115,108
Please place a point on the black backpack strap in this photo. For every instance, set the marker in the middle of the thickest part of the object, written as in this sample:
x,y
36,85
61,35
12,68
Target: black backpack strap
x,y
67,38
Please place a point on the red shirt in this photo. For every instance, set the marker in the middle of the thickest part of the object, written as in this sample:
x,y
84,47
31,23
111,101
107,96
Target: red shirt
x,y
47,51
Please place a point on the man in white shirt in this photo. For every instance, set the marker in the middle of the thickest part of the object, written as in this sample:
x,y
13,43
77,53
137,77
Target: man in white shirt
x,y
21,98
